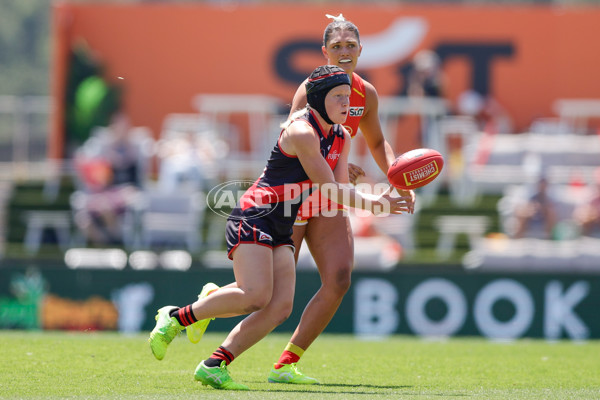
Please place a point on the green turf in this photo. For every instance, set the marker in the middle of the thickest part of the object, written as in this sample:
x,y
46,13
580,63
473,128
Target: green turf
x,y
111,366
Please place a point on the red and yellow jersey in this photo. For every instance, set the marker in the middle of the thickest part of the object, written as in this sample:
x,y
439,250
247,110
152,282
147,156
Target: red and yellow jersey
x,y
316,203
358,99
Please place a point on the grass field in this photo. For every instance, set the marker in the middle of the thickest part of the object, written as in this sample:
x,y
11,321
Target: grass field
x,y
54,365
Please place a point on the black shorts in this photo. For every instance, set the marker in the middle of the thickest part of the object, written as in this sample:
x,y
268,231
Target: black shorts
x,y
254,231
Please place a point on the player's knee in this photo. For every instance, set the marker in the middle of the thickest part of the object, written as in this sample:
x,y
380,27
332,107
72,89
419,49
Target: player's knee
x,y
339,281
283,312
343,281
256,301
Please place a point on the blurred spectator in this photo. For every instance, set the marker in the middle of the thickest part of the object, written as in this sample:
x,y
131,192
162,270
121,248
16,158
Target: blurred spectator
x,y
90,98
186,162
587,215
108,166
487,111
426,78
537,212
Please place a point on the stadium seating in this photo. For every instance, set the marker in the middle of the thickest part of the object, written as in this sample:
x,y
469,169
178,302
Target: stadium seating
x,y
248,141
508,159
167,220
565,198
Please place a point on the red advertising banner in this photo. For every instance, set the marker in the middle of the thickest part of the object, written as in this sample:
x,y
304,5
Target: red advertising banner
x,y
165,54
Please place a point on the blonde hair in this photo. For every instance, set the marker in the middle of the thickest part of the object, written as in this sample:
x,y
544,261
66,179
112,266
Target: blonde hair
x,y
295,115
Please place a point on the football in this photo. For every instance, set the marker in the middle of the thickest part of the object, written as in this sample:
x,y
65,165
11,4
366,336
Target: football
x,y
415,168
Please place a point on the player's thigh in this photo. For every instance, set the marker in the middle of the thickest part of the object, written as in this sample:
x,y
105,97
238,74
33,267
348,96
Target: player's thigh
x,y
331,243
298,234
253,268
284,274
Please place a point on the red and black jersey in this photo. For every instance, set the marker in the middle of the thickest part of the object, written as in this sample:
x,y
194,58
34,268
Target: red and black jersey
x,y
278,193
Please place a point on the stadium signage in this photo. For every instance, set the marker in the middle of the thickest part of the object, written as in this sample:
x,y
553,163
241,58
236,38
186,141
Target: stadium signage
x,y
377,308
426,303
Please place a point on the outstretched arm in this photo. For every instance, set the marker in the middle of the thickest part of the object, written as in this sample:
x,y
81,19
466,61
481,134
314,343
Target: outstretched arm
x,y
299,139
380,149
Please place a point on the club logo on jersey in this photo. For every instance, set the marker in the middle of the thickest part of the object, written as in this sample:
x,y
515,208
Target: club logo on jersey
x,y
356,111
265,236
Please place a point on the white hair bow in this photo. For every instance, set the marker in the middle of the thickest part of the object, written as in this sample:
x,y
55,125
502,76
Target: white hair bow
x,y
337,19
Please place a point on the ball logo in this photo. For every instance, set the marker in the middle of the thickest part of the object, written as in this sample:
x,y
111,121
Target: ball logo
x,y
426,172
223,198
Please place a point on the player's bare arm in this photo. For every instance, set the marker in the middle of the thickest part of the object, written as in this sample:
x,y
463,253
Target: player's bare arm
x,y
371,129
341,171
380,149
299,139
299,100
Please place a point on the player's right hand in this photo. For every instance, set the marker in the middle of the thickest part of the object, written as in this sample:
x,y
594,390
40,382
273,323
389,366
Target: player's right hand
x,y
354,172
387,204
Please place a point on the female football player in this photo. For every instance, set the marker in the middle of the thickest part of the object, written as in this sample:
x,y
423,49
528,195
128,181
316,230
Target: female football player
x,y
312,151
326,234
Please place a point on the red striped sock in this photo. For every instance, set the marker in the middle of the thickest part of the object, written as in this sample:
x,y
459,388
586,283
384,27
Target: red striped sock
x,y
221,354
185,315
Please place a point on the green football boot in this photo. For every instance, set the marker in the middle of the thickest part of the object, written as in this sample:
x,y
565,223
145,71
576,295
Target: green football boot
x,y
164,332
196,330
217,377
289,373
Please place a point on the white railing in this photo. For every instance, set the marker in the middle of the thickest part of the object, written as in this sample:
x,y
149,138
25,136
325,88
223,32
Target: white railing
x,y
23,136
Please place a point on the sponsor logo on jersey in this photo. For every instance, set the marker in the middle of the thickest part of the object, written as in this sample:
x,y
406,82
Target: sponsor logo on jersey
x,y
334,155
356,111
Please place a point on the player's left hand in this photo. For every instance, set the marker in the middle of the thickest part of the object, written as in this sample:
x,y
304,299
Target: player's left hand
x,y
409,194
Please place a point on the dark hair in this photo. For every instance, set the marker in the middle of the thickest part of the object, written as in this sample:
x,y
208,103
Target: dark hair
x,y
339,24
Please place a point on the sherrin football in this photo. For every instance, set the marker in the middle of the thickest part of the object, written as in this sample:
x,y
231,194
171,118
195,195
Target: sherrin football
x,y
415,168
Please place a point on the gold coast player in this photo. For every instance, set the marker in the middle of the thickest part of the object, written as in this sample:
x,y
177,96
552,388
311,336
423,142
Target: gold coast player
x,y
328,235
312,151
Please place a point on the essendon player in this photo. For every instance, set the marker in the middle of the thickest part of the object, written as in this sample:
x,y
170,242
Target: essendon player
x,y
312,151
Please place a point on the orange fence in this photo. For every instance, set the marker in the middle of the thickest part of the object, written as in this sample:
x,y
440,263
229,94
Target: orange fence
x,y
526,57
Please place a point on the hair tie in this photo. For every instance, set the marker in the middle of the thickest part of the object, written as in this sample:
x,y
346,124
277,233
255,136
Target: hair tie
x,y
339,18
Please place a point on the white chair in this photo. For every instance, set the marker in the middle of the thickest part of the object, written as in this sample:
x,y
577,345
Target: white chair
x,y
450,226
246,153
168,219
462,189
39,220
577,113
